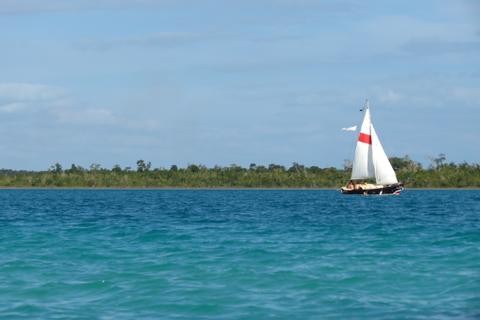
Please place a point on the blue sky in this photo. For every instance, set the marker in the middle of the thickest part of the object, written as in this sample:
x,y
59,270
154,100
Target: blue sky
x,y
223,82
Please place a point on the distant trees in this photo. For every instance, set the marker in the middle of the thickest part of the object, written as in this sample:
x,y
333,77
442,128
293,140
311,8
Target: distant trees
x,y
438,161
193,168
296,167
143,166
56,168
117,169
439,174
95,167
404,164
75,169
275,167
347,164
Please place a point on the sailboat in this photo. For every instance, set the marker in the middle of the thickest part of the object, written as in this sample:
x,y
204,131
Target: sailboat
x,y
371,162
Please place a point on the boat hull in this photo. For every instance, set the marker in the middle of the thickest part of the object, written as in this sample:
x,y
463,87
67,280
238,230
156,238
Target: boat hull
x,y
386,189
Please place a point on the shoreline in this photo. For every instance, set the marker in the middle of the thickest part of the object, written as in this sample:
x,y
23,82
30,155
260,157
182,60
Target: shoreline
x,y
213,188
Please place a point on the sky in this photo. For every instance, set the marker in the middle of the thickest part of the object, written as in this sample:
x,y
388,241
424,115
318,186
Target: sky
x,y
235,82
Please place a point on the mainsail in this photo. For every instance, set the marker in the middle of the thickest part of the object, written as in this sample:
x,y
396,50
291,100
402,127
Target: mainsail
x,y
363,163
370,159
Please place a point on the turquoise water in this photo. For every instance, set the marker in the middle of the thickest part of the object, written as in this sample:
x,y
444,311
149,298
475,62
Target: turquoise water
x,y
238,254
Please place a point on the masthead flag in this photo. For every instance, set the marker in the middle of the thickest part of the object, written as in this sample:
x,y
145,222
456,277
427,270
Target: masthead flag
x,y
354,128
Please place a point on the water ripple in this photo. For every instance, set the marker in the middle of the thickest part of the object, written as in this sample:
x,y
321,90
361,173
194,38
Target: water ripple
x,y
238,254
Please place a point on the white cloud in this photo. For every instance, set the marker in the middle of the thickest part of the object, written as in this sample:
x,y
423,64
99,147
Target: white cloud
x,y
50,103
403,34
470,96
437,46
160,39
88,116
386,95
28,6
25,92
13,107
439,91
34,6
23,98
19,98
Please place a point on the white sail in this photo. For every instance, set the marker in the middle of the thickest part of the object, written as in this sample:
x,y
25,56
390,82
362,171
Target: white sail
x,y
384,173
363,162
370,159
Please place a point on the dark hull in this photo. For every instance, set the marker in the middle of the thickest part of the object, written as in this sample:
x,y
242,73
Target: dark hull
x,y
387,189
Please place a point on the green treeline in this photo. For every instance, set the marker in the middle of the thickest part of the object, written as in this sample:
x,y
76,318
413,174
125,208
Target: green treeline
x,y
439,174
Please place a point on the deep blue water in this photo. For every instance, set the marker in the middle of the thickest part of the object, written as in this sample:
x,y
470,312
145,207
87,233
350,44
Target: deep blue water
x,y
239,254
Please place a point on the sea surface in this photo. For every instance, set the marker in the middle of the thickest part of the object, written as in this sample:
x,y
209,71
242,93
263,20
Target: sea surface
x,y
239,254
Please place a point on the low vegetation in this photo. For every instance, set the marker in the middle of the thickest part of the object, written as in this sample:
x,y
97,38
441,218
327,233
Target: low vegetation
x,y
440,174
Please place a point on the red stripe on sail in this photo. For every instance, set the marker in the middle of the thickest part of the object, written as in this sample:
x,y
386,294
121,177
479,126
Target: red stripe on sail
x,y
365,138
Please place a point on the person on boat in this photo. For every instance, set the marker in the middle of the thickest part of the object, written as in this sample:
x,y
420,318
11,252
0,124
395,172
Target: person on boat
x,y
359,186
350,185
